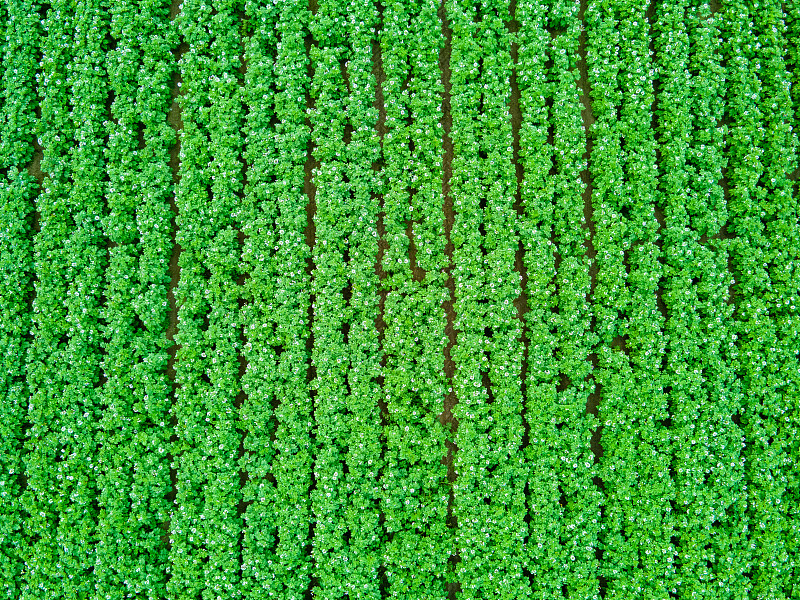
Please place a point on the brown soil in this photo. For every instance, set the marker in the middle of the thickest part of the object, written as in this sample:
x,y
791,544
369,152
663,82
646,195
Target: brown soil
x,y
447,417
593,401
175,121
35,166
521,302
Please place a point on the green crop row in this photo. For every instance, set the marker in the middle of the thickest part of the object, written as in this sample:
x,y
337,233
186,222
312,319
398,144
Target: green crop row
x,y
20,29
563,501
205,524
637,526
278,451
763,218
567,515
65,358
133,437
489,490
331,494
414,488
345,500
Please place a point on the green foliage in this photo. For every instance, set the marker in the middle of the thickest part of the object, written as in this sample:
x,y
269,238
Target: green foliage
x,y
64,358
596,202
415,490
563,501
205,525
278,448
489,497
764,217
133,433
638,553
20,30
348,537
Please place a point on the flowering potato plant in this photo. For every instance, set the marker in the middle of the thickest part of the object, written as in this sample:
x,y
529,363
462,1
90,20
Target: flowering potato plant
x,y
409,299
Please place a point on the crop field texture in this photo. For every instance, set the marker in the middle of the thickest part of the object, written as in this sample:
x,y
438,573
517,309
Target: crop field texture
x,y
408,299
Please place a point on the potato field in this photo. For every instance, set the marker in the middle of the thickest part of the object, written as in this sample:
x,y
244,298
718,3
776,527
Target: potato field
x,y
399,299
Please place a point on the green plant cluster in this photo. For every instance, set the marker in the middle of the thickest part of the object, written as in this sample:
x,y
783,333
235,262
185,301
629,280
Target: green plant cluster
x,y
635,467
205,525
348,539
414,487
489,490
330,496
133,437
278,446
425,299
763,218
20,29
703,396
64,359
563,500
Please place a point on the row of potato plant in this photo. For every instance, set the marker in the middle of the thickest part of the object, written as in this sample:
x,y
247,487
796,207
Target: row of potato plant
x,y
545,560
205,524
64,361
792,500
764,220
364,444
489,499
751,327
330,361
348,539
133,436
770,427
675,120
293,464
260,315
637,524
414,491
695,287
275,551
49,324
328,121
289,480
468,353
571,386
20,54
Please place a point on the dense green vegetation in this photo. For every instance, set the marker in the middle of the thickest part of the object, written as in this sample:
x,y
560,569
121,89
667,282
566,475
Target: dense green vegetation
x,y
409,299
